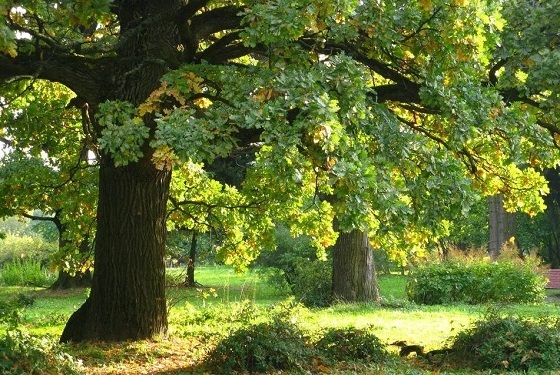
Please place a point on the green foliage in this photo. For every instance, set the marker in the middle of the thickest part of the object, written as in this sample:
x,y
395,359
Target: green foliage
x,y
277,344
476,282
294,264
510,343
26,354
124,132
26,273
351,344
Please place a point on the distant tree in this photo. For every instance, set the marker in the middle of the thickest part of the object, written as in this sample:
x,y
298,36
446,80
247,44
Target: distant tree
x,y
48,175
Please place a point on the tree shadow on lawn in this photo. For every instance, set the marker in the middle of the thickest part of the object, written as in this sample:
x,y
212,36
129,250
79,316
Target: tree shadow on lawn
x,y
168,356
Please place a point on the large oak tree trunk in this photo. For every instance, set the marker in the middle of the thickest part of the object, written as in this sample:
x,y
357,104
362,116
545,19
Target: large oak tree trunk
x,y
354,278
127,300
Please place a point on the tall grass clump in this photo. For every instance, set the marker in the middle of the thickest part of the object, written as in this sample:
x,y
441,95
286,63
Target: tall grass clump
x,y
476,280
25,273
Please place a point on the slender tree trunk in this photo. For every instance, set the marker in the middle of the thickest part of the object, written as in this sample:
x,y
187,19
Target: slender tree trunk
x,y
354,277
189,279
552,230
127,300
502,225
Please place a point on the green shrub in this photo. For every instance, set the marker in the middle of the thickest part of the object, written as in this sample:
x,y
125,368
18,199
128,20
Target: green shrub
x,y
311,283
275,345
294,265
22,353
476,282
26,273
510,343
351,344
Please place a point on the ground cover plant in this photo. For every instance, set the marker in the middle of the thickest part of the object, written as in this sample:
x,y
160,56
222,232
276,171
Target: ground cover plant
x,y
210,324
511,342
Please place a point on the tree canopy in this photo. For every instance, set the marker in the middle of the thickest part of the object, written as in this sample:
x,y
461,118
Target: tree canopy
x,y
387,116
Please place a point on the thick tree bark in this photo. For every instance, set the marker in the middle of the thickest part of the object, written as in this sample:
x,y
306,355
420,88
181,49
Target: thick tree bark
x,y
354,277
127,300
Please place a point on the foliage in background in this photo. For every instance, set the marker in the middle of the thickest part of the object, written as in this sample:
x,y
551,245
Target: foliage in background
x,y
471,230
294,265
14,248
178,245
510,344
478,280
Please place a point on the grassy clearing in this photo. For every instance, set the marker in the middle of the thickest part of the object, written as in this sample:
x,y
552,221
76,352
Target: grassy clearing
x,y
193,332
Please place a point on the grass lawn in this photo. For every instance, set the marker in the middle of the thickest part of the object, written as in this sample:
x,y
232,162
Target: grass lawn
x,y
223,291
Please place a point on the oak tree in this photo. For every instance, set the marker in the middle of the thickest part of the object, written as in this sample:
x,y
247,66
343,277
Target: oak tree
x,y
382,116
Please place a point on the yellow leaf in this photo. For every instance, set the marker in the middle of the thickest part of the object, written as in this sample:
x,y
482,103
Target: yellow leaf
x,y
194,82
426,4
202,102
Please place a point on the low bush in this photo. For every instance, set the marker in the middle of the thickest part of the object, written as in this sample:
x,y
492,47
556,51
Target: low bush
x,y
23,353
275,345
510,343
294,266
476,282
26,273
351,344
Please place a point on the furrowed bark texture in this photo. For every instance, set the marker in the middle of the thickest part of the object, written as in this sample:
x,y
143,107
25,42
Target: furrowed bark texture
x,y
127,300
354,278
